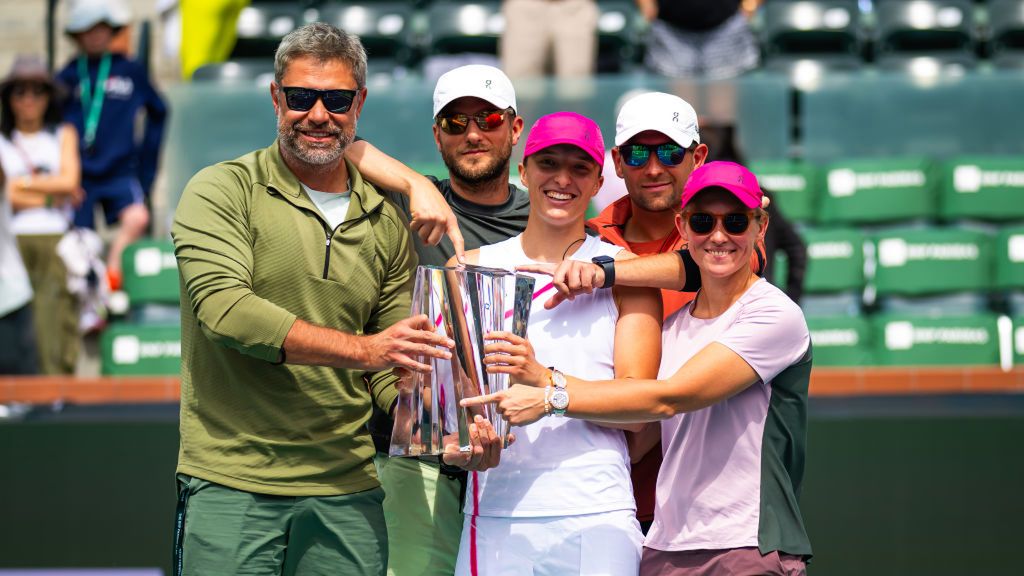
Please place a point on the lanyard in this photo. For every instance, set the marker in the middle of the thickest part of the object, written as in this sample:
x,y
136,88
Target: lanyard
x,y
93,102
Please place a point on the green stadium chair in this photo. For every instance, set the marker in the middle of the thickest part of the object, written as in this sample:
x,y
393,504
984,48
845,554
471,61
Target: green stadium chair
x,y
1009,248
878,191
924,27
140,350
261,26
1006,22
987,188
619,27
385,29
927,67
1018,341
811,28
150,272
903,340
794,184
460,27
841,341
915,263
259,71
834,280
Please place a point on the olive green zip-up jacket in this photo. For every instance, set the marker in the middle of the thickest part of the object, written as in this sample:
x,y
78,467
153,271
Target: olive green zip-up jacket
x,y
254,254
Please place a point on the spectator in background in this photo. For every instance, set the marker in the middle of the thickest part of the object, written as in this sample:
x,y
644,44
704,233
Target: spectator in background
x,y
18,352
108,91
542,35
781,235
40,156
709,38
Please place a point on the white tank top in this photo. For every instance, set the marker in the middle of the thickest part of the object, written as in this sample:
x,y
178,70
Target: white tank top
x,y
560,466
42,151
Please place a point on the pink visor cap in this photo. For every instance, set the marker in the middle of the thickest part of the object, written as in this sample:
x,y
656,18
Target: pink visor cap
x,y
566,128
729,175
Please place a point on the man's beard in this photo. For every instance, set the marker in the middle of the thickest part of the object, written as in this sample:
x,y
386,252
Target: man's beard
x,y
314,154
496,167
658,204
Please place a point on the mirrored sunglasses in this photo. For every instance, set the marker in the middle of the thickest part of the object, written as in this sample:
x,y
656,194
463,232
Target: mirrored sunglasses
x,y
637,155
458,123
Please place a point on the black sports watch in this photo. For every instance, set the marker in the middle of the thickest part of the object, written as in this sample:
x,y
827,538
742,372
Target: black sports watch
x,y
607,263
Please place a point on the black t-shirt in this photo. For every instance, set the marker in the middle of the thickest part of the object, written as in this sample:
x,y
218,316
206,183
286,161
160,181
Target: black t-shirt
x,y
480,225
696,15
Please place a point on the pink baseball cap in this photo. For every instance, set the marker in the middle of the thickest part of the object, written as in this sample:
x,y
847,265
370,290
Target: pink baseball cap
x,y
566,128
729,175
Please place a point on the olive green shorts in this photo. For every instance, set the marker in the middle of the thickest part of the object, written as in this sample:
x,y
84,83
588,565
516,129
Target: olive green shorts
x,y
220,530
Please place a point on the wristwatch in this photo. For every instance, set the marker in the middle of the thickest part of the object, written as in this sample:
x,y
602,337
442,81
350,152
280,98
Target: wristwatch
x,y
607,263
559,399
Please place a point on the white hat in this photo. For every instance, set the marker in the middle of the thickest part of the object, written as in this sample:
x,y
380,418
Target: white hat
x,y
84,14
475,80
661,112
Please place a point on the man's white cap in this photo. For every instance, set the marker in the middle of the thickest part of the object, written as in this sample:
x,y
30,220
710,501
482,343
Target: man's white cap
x,y
478,81
84,14
661,112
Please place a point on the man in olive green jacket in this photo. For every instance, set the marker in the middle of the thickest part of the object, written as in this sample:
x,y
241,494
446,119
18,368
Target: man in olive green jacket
x,y
295,279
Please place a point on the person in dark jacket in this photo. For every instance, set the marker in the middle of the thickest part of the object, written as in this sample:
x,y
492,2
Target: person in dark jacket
x,y
107,92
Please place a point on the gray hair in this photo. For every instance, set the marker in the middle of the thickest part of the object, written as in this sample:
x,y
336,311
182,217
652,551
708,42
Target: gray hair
x,y
323,42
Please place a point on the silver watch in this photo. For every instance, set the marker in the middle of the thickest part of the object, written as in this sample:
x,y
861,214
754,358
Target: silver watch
x,y
559,395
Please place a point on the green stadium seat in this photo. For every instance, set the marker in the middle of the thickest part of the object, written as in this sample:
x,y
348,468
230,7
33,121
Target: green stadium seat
x,y
835,260
930,261
924,26
140,350
458,27
822,27
1006,22
902,340
619,27
841,341
385,29
261,26
1009,244
988,188
878,191
794,185
1018,341
150,272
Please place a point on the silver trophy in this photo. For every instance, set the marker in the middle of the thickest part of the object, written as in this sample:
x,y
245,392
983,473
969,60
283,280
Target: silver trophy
x,y
465,303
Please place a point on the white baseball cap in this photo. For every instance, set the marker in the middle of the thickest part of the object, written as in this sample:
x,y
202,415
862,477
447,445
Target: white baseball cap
x,y
84,14
475,80
661,112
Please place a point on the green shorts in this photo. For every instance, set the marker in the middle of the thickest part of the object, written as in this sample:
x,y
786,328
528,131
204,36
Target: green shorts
x,y
220,530
424,516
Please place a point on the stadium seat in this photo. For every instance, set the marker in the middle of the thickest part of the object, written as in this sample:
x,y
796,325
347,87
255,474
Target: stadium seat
x,y
619,27
140,350
811,28
1018,340
385,29
841,341
793,184
834,280
987,188
464,27
261,26
873,191
244,71
1009,256
943,271
1006,25
924,27
902,340
150,272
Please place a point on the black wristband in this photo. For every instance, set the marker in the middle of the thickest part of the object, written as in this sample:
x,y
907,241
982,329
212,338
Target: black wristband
x,y
692,271
607,263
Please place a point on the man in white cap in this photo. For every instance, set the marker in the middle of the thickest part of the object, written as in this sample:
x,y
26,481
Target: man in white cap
x,y
475,128
108,91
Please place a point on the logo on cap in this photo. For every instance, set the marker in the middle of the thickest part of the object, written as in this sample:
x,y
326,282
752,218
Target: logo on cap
x,y
487,84
675,116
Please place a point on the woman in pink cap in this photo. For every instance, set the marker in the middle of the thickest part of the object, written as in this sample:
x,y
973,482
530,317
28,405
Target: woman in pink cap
x,y
732,398
561,501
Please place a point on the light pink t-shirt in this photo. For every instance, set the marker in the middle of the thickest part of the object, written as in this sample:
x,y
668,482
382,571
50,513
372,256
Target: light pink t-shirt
x,y
709,487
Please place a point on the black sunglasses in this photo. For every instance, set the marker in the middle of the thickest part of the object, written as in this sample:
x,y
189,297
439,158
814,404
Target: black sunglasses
x,y
735,223
303,99
458,123
24,89
637,155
